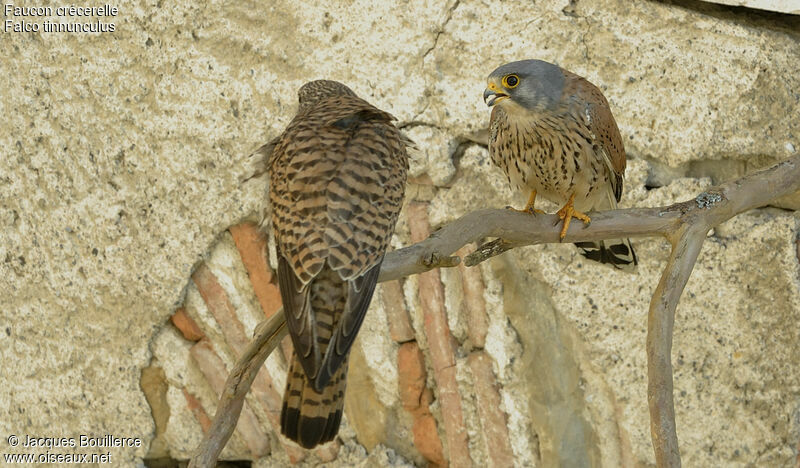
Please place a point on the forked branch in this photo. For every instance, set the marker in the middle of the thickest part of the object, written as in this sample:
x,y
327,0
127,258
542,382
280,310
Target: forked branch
x,y
685,225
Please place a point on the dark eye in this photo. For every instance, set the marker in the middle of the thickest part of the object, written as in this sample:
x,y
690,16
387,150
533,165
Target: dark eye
x,y
510,81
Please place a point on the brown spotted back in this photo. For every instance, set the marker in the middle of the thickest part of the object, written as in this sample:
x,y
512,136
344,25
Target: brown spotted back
x,y
337,183
337,180
601,121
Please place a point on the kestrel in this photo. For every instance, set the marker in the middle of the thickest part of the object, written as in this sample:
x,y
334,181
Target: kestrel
x,y
337,180
552,133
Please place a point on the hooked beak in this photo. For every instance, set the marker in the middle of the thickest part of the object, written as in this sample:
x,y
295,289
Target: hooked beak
x,y
492,95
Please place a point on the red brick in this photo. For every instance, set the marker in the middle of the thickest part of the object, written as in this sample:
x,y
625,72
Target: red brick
x,y
426,399
415,398
440,343
186,325
493,419
417,213
474,304
262,390
210,364
411,375
220,306
431,294
213,369
197,410
426,439
453,418
252,246
400,328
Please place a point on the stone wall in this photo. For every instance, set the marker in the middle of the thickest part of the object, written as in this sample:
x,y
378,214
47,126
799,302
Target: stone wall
x,y
119,187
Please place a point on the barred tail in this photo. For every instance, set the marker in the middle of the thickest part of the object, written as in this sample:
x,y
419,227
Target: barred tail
x,y
307,417
616,252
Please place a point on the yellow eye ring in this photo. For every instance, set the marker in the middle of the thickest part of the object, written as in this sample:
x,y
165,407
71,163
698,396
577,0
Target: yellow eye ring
x,y
510,81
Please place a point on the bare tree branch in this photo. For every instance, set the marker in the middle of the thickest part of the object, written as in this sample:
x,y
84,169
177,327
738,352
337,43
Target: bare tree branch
x,y
685,225
266,337
660,322
488,250
519,229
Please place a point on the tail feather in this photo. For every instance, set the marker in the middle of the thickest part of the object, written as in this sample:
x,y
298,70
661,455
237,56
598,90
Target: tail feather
x,y
308,417
615,252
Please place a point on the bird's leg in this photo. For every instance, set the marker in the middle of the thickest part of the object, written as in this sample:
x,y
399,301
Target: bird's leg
x,y
567,212
528,206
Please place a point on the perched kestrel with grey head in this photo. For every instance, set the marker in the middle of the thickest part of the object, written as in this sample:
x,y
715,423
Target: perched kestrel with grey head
x,y
552,133
337,180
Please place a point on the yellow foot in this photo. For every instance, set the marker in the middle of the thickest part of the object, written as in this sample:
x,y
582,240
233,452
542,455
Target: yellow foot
x,y
567,213
528,206
530,210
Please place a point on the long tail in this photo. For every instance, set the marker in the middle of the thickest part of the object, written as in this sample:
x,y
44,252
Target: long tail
x,y
307,417
615,252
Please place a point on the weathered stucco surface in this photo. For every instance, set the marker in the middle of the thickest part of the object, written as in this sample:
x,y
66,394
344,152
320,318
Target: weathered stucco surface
x,y
120,166
783,6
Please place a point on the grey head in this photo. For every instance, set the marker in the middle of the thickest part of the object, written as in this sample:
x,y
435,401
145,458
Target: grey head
x,y
532,84
315,91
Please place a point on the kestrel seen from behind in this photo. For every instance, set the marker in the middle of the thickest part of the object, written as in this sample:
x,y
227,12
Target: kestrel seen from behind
x,y
337,180
552,133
